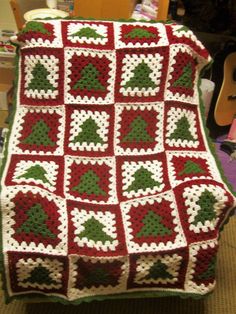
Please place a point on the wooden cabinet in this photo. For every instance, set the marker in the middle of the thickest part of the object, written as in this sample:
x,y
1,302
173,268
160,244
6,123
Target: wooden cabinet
x,y
104,9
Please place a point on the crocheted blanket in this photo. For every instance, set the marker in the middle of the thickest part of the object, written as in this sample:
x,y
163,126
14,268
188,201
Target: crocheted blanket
x,y
109,187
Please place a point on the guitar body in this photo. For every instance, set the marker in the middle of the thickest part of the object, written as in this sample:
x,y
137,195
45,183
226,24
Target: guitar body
x,y
225,108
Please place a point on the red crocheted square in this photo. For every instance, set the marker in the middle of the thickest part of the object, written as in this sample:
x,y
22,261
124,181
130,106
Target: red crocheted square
x,y
181,128
158,270
91,180
138,129
139,75
202,208
97,275
189,166
138,35
40,32
42,77
95,230
183,35
182,76
141,176
89,130
202,275
38,221
41,131
89,77
37,273
44,172
88,34
152,224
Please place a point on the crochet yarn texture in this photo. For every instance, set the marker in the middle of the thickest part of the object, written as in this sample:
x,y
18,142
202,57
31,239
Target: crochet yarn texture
x,y
109,187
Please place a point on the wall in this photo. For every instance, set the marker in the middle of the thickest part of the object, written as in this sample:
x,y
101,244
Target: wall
x,y
7,20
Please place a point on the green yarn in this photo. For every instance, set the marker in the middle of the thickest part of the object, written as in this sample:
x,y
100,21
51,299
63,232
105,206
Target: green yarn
x,y
87,32
210,271
153,226
89,133
93,230
138,131
33,26
159,270
40,275
142,180
36,222
140,33
141,77
191,167
89,184
182,29
98,277
39,135
185,79
89,79
182,130
207,212
40,81
35,172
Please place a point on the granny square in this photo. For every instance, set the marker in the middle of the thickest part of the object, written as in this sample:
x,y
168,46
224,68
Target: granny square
x,y
89,34
89,76
95,230
46,173
41,70
43,34
139,129
168,270
39,131
34,221
109,185
37,273
139,74
89,130
129,35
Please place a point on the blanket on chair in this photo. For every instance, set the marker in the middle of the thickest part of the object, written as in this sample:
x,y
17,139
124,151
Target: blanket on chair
x,y
110,187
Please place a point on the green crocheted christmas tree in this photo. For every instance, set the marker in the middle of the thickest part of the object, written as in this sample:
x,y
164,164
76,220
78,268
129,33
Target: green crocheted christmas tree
x,y
139,32
182,130
153,226
191,167
159,270
88,133
207,211
89,79
93,230
40,275
89,184
39,135
40,79
142,180
36,172
210,271
36,222
87,32
33,26
138,131
185,79
98,277
141,77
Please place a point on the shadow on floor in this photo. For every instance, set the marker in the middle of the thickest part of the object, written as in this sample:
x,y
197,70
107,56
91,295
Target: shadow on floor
x,y
131,306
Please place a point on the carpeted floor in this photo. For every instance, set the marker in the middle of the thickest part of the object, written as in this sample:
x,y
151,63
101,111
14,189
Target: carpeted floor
x,y
222,301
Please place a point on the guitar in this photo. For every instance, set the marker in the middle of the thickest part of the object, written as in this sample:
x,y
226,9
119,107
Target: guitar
x,y
225,108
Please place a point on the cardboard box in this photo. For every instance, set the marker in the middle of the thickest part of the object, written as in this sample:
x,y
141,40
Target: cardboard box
x,y
4,95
